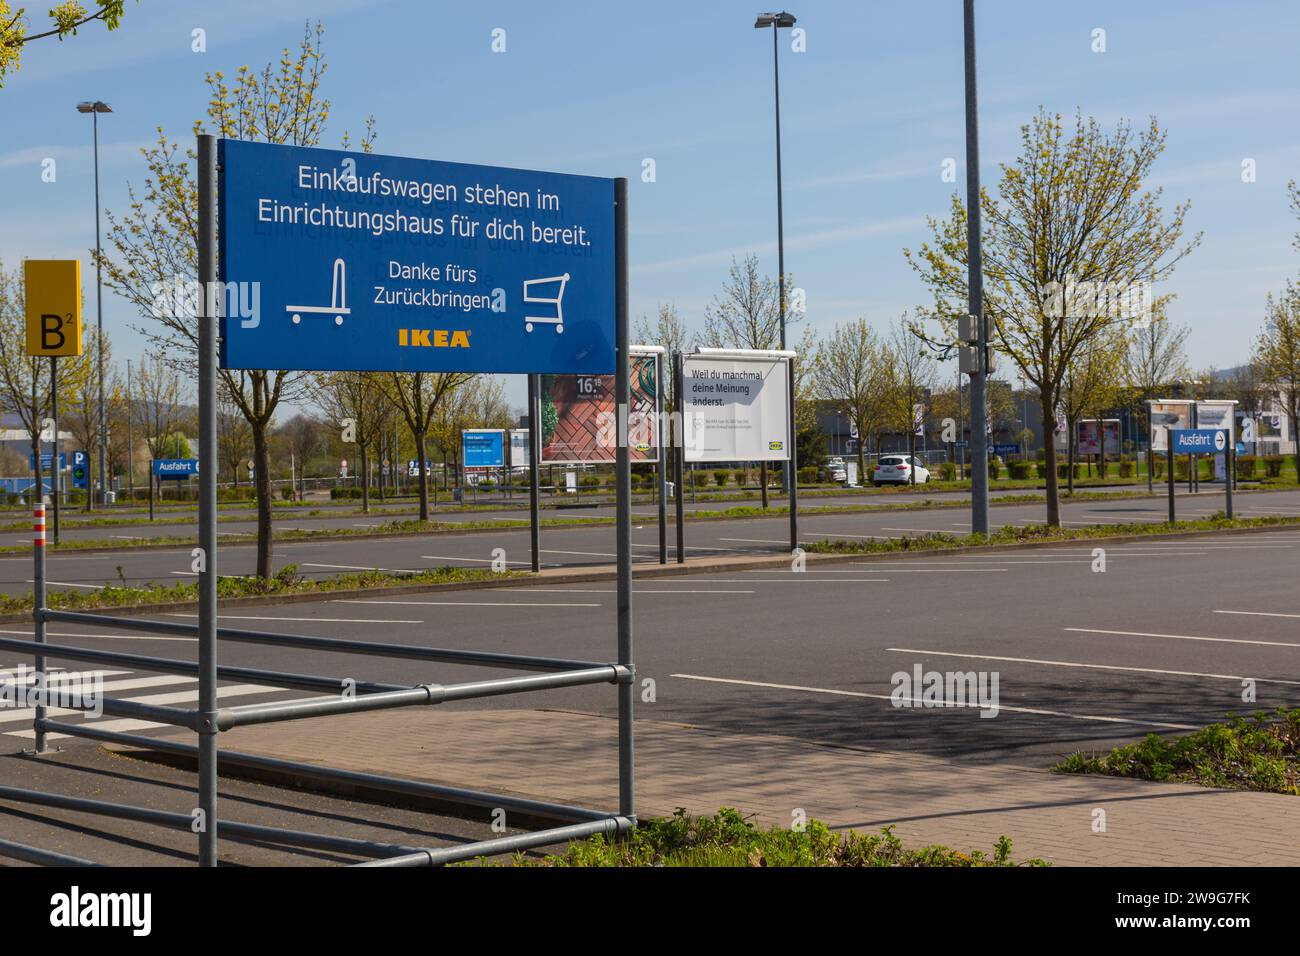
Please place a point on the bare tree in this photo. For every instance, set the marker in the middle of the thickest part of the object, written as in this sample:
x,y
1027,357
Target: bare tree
x,y
850,373
418,396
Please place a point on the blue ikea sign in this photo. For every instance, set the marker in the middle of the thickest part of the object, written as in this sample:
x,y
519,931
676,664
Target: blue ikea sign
x,y
1200,441
335,260
483,448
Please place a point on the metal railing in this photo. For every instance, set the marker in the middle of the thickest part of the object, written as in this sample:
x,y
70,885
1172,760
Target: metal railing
x,y
340,695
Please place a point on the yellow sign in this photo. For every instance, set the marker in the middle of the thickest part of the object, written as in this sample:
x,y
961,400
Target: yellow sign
x,y
53,292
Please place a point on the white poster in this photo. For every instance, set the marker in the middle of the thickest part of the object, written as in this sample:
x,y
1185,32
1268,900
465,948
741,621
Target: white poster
x,y
735,409
1164,416
519,448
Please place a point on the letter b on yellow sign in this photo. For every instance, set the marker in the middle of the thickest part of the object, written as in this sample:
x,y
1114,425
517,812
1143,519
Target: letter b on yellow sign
x,y
53,293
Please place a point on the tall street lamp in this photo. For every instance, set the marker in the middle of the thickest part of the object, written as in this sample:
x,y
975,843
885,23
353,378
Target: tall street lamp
x,y
979,485
94,108
777,21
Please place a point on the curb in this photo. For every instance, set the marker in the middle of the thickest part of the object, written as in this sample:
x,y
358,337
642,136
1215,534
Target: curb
x,y
608,572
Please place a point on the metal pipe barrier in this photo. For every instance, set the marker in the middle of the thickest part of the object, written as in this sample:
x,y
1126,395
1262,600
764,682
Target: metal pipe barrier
x,y
345,696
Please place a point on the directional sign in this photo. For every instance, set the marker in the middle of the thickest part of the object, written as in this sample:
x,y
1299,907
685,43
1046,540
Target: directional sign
x,y
1003,450
52,292
79,469
336,260
1199,441
175,468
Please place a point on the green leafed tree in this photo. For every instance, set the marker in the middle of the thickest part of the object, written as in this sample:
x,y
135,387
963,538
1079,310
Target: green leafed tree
x,y
1074,240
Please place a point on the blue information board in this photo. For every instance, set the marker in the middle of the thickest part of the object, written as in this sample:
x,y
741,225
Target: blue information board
x,y
483,448
47,458
1200,441
175,468
337,260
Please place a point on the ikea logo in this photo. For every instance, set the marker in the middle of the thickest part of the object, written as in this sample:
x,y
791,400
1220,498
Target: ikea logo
x,y
434,338
775,445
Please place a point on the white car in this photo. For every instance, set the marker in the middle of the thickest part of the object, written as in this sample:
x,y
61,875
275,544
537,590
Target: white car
x,y
899,470
837,469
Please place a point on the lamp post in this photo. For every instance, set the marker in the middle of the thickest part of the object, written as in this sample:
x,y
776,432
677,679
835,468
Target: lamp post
x,y
94,108
979,497
778,21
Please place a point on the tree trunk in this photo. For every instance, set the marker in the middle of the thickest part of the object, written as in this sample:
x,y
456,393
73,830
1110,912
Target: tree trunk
x,y
365,481
423,470
762,480
1053,496
911,456
262,490
1101,445
1069,456
862,456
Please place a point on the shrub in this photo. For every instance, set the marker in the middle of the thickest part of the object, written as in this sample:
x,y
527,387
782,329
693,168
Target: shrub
x,y
720,478
808,475
947,470
995,467
589,481
739,475
1063,470
287,493
1019,470
1126,469
1041,468
1273,465
1246,466
700,478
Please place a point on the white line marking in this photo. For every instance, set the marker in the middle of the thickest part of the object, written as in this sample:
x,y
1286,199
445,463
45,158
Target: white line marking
x,y
458,557
1181,637
1018,710
889,570
71,584
1259,613
586,554
635,591
323,620
448,604
1099,667
923,530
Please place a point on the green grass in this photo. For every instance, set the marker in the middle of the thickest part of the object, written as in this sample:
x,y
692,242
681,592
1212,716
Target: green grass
x,y
1261,752
284,581
1017,534
727,839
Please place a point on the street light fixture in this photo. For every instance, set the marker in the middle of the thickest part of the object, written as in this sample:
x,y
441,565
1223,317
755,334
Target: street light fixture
x,y
778,21
94,108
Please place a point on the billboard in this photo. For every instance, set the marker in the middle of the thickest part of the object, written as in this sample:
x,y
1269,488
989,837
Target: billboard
x,y
520,452
578,414
1164,416
335,260
735,409
483,447
1089,437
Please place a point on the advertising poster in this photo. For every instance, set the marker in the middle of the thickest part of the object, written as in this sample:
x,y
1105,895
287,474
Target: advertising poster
x,y
519,448
735,409
1089,442
483,447
578,415
1167,415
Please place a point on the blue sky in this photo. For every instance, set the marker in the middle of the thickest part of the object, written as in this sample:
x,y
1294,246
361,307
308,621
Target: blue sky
x,y
869,113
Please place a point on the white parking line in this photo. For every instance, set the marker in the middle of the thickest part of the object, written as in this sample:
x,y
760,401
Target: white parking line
x,y
1099,667
911,570
322,620
923,530
758,541
889,697
585,554
635,591
459,557
450,604
1259,613
1181,637
72,584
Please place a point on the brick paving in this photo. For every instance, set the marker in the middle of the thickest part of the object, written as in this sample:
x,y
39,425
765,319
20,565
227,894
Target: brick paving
x,y
571,757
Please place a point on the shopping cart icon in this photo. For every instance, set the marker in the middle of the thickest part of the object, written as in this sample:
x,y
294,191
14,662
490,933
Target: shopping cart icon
x,y
338,306
537,298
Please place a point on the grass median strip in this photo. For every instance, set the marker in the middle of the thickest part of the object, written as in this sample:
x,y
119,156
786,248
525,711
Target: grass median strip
x,y
728,839
1260,752
285,581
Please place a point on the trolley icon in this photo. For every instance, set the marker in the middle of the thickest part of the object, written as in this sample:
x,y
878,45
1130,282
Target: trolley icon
x,y
338,306
536,298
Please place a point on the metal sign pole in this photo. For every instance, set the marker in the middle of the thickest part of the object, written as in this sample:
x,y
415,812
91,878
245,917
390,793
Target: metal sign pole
x,y
623,483
662,466
1229,465
38,614
207,633
678,453
534,452
55,474
1169,442
792,464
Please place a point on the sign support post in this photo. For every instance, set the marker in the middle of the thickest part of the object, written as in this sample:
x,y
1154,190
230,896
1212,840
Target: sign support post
x,y
56,474
1230,472
206,722
1169,452
678,454
623,484
661,468
534,453
792,464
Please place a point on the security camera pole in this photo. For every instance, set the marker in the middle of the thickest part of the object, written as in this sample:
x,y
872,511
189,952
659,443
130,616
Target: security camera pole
x,y
980,366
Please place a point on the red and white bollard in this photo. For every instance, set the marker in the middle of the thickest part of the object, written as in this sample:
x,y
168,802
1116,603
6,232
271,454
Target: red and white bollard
x,y
38,526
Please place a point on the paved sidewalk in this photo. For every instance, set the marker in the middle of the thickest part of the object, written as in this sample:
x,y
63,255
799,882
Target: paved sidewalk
x,y
572,758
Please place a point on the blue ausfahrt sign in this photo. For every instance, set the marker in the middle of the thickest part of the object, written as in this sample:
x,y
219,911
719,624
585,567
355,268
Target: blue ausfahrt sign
x,y
336,260
175,468
1200,441
483,448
